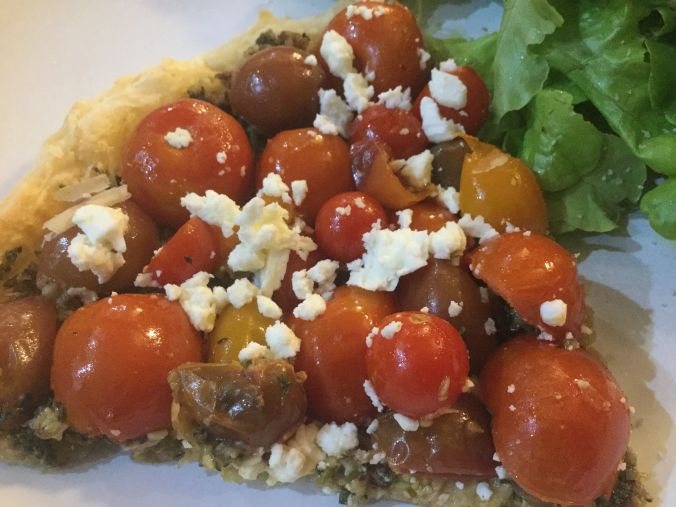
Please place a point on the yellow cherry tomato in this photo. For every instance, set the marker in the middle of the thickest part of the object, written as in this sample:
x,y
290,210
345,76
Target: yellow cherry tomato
x,y
234,329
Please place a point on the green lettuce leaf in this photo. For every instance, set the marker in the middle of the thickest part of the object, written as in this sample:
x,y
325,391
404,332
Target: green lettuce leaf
x,y
659,205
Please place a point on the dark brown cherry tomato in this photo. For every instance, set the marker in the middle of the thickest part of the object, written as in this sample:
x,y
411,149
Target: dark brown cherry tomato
x,y
193,248
142,239
502,189
430,216
398,129
276,90
305,154
111,361
475,113
435,286
421,368
284,296
560,421
373,175
27,332
388,45
343,220
219,158
528,270
333,350
458,445
448,160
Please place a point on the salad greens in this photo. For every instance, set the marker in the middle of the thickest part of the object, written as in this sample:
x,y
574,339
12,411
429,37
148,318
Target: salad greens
x,y
585,93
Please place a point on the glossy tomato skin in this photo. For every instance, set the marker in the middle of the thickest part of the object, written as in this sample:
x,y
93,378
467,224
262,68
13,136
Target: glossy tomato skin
x,y
159,174
560,421
422,368
234,329
333,350
397,128
528,269
194,247
473,116
387,44
430,216
284,296
323,161
343,220
111,360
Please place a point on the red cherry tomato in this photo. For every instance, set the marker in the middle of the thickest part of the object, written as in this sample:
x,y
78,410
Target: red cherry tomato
x,y
560,421
475,113
219,158
333,350
193,248
284,296
111,361
305,154
430,216
528,270
421,368
397,128
343,220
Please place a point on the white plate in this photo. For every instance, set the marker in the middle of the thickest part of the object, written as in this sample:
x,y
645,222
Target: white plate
x,y
56,53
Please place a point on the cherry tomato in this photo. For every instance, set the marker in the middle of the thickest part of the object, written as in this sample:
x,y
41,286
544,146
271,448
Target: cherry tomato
x,y
430,216
397,128
111,361
419,369
475,113
502,189
333,350
560,421
305,154
343,220
218,156
284,296
388,44
528,270
193,248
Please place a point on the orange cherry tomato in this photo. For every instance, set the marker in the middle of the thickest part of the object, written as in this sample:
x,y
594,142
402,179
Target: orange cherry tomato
x,y
501,188
111,361
218,157
421,367
475,113
343,220
333,350
388,45
430,216
284,296
398,129
560,421
193,248
304,154
528,270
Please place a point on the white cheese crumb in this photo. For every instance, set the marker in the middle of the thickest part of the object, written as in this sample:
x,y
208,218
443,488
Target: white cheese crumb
x,y
391,329
449,197
241,292
459,485
424,58
496,457
372,334
396,98
254,350
344,210
334,114
299,191
405,218
448,241
512,408
178,138
622,466
484,491
201,303
454,309
448,90
337,53
282,341
359,203
489,327
274,186
545,337
448,65
214,208
295,459
310,60
301,284
357,91
477,228
372,427
501,472
221,157
553,313
85,295
437,128
371,393
324,275
268,308
406,423
511,388
367,13
425,309
417,171
310,308
378,457
336,440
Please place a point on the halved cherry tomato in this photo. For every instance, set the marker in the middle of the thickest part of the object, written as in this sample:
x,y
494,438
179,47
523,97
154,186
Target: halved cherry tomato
x,y
475,113
397,128
193,248
389,45
501,188
333,350
343,220
284,296
560,421
420,368
111,361
217,157
304,154
527,270
430,216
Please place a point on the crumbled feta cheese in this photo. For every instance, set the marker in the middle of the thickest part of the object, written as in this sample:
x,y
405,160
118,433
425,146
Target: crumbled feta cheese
x,y
344,210
437,128
334,114
268,308
324,275
274,186
254,350
501,472
375,331
511,388
424,58
299,191
378,457
301,284
477,228
85,295
512,408
396,98
468,386
295,459
359,202
489,327
145,280
241,292
365,12
545,337
199,302
554,312
372,427
448,241
406,423
449,197
448,65
417,171
425,309
337,53
282,341
310,308
221,157
448,90
391,329
405,218
214,208
310,60
454,309
336,440
357,91
459,485
371,393
484,491
178,138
